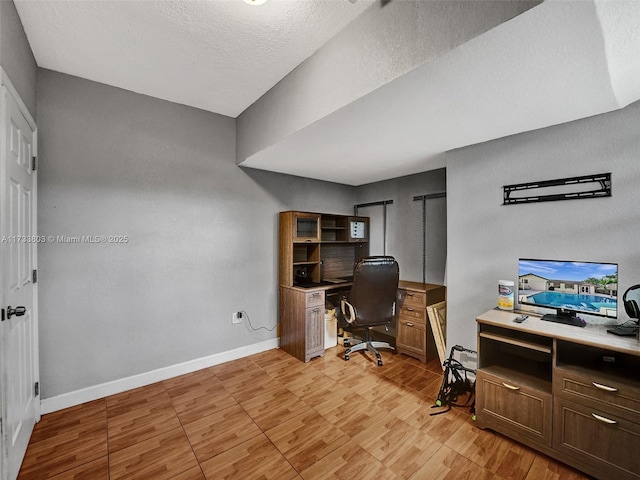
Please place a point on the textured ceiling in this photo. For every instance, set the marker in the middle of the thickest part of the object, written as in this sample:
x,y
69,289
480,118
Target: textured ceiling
x,y
217,55
557,62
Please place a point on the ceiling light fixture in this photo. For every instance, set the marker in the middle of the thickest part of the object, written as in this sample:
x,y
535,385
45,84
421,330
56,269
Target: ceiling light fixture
x,y
255,2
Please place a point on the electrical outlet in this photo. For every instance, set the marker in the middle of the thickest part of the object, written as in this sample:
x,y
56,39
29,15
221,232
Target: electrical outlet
x,y
236,317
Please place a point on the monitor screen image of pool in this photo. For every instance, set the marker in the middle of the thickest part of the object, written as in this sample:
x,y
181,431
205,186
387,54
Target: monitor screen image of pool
x,y
569,287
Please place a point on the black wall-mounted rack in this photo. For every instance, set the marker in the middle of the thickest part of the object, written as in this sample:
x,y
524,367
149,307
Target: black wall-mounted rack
x,y
384,204
423,199
602,188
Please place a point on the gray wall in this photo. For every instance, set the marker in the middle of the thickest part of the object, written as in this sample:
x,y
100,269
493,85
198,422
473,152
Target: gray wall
x,y
404,222
485,239
382,44
15,55
202,233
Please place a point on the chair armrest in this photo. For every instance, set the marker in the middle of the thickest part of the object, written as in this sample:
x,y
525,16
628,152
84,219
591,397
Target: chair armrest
x,y
349,314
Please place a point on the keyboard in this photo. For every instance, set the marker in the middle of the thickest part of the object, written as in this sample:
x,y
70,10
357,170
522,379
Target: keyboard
x,y
574,321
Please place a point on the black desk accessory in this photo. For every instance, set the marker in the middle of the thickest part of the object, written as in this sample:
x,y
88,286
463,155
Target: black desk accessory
x,y
623,331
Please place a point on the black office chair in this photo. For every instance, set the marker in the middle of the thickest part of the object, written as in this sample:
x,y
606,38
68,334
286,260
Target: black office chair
x,y
371,302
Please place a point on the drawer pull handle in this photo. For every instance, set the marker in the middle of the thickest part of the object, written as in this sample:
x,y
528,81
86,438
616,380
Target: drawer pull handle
x,y
409,309
604,387
409,324
510,387
604,419
410,294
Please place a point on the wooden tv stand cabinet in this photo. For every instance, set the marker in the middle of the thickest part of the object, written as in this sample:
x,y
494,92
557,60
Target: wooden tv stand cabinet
x,y
571,393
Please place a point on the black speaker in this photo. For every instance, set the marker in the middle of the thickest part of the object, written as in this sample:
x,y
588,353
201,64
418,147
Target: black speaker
x,y
631,306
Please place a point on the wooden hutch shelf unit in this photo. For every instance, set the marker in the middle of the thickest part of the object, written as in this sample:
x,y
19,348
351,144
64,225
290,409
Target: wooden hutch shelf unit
x,y
317,255
572,393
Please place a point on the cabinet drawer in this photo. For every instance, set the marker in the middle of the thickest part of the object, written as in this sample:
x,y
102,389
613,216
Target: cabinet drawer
x,y
314,298
513,409
608,394
413,299
413,315
607,443
412,339
411,335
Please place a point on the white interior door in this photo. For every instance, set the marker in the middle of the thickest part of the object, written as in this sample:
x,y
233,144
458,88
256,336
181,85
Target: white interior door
x,y
18,330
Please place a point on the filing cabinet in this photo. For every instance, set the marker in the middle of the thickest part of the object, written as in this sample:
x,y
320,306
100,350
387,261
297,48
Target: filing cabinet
x,y
414,335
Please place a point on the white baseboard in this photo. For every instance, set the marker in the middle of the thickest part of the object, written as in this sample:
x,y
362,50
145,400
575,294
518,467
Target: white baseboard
x,y
95,392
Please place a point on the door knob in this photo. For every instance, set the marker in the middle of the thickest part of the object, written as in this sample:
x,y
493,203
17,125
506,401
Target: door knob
x,y
18,311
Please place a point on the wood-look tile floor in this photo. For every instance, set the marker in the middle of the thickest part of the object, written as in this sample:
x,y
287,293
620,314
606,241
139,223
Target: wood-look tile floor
x,y
270,416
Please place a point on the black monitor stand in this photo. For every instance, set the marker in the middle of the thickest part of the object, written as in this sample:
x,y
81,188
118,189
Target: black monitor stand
x,y
565,317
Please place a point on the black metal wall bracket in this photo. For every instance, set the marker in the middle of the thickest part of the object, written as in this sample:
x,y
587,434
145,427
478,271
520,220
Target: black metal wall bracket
x,y
601,188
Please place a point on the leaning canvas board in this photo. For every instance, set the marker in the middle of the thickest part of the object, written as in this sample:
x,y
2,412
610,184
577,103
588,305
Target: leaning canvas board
x,y
438,321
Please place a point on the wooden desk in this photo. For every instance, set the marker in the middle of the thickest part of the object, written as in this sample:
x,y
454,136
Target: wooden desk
x,y
302,322
314,246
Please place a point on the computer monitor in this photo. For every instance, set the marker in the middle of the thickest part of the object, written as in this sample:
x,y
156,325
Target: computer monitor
x,y
569,287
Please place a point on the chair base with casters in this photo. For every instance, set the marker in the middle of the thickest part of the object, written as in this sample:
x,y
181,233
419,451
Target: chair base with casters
x,y
357,345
